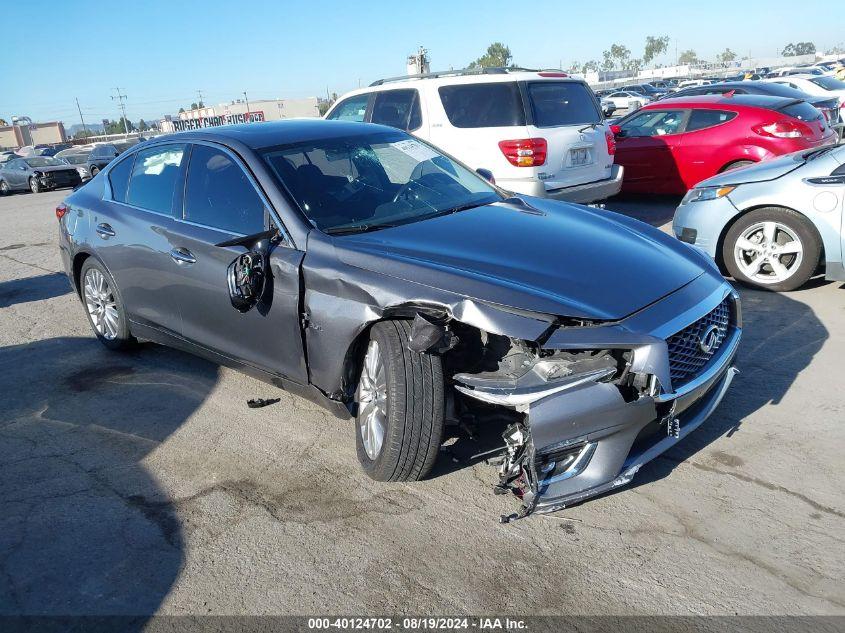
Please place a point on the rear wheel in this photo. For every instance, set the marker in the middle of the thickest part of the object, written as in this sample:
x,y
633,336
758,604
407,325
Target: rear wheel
x,y
104,306
736,165
400,400
772,248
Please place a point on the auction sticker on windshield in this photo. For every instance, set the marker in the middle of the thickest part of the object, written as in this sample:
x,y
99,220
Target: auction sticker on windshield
x,y
415,150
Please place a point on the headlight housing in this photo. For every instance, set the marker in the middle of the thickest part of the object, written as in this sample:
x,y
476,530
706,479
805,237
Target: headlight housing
x,y
701,194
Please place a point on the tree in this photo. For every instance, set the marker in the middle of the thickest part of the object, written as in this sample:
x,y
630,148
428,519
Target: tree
x,y
194,106
181,110
498,56
591,65
688,57
801,48
617,56
3,122
142,125
654,46
726,55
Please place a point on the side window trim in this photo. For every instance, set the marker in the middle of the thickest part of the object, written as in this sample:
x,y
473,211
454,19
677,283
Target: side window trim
x,y
269,210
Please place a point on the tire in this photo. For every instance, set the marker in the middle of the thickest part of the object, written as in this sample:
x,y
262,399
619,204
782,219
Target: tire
x,y
736,165
94,170
34,185
412,409
110,326
4,188
796,263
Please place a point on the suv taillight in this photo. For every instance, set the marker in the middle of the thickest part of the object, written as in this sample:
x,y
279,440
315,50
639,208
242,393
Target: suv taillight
x,y
61,210
783,129
611,143
526,152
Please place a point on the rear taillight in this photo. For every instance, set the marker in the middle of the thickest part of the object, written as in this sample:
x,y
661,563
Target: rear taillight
x,y
526,152
611,143
61,210
783,129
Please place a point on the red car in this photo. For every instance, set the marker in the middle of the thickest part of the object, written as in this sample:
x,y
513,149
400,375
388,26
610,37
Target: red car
x,y
671,145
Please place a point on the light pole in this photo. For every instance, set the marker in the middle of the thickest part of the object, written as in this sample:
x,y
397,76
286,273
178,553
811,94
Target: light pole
x,y
248,118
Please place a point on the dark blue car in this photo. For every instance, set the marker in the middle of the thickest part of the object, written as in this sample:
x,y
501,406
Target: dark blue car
x,y
364,269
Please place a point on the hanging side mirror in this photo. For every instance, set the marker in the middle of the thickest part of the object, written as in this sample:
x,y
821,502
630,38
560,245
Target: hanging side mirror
x,y
486,174
248,276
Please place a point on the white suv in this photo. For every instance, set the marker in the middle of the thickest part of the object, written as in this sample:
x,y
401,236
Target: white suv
x,y
539,133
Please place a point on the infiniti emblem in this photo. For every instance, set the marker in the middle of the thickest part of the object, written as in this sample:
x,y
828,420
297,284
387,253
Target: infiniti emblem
x,y
707,341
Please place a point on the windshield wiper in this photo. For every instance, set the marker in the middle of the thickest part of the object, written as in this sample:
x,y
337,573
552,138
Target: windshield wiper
x,y
358,228
460,207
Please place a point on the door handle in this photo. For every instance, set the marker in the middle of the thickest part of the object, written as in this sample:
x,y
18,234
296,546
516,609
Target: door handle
x,y
105,231
182,256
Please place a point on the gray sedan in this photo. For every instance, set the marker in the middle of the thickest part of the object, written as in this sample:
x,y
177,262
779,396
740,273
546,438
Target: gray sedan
x,y
772,224
361,268
36,174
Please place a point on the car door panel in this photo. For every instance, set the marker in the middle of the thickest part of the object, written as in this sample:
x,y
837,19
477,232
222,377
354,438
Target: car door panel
x,y
268,336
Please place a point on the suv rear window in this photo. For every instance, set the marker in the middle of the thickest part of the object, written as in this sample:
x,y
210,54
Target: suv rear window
x,y
483,105
397,108
802,111
562,103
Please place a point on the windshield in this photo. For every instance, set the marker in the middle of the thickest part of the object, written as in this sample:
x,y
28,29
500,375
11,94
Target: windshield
x,y
43,161
828,83
75,159
368,182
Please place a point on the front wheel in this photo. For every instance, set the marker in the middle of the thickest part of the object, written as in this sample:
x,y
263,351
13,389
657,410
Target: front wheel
x,y
34,185
401,408
93,171
104,306
772,248
4,188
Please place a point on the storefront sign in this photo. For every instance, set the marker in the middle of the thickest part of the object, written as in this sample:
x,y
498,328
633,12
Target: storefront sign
x,y
180,125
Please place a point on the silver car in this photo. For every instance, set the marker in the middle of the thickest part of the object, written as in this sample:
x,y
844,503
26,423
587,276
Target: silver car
x,y
772,224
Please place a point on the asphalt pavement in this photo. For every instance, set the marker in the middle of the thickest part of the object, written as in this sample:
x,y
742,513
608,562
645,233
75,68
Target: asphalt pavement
x,y
141,483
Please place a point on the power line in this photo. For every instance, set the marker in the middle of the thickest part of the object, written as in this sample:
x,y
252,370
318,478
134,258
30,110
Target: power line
x,y
121,98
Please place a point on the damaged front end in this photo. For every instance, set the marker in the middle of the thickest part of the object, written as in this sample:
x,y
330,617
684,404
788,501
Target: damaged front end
x,y
582,420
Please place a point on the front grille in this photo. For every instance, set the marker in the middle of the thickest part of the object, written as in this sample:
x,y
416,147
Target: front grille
x,y
688,353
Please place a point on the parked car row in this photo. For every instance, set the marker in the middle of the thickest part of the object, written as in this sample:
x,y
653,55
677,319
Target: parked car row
x,y
42,171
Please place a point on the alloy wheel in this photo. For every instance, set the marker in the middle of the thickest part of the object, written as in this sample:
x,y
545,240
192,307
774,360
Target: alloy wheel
x,y
4,188
768,252
372,401
101,304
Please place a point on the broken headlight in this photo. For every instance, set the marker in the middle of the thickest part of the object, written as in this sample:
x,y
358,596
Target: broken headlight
x,y
539,376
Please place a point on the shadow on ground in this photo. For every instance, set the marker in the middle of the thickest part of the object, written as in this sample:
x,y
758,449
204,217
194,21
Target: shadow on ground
x,y
84,528
652,209
30,289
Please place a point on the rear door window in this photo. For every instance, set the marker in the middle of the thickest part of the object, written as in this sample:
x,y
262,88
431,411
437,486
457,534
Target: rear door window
x,y
155,176
555,103
483,105
219,194
351,109
702,119
397,108
119,179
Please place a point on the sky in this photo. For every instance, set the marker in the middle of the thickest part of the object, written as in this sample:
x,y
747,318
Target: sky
x,y
159,53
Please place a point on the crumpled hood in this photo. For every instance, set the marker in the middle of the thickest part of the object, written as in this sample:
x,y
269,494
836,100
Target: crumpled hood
x,y
54,168
557,258
758,172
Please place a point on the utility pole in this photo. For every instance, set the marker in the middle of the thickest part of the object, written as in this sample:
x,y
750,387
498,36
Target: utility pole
x,y
247,107
84,127
199,96
121,98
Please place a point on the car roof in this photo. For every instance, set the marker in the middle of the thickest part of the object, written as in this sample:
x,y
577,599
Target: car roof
x,y
272,133
768,102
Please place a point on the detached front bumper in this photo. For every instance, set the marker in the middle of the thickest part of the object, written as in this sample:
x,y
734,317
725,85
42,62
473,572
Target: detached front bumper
x,y
582,436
